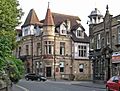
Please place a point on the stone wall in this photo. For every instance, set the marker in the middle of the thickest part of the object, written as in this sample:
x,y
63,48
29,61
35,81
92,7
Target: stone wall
x,y
5,86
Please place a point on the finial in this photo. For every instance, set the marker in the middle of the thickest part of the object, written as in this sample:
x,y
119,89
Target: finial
x,y
107,7
48,4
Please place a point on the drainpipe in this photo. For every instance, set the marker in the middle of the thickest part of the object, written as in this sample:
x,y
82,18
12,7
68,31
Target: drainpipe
x,y
54,58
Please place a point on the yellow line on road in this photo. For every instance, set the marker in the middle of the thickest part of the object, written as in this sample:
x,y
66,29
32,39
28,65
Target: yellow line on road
x,y
22,88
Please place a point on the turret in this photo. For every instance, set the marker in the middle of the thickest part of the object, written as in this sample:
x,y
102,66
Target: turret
x,y
31,25
48,26
95,17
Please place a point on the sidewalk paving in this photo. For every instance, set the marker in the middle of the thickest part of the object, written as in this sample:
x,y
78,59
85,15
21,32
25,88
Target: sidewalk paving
x,y
89,84
82,83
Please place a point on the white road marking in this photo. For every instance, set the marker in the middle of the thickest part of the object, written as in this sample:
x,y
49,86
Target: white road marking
x,y
22,88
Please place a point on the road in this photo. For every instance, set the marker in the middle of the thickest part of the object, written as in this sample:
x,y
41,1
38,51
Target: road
x,y
54,86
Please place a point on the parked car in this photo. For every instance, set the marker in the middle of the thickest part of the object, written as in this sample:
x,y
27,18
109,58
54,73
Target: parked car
x,y
33,76
113,84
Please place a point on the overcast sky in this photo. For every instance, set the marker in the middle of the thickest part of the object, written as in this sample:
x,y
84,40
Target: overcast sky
x,y
81,8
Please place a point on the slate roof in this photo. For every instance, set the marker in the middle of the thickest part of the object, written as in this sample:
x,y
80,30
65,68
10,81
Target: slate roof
x,y
31,19
60,18
76,27
95,12
56,19
80,40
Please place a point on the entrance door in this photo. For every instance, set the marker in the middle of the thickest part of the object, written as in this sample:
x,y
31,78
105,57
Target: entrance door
x,y
48,71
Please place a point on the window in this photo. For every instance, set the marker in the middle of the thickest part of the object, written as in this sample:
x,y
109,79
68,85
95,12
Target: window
x,y
27,50
102,42
63,30
20,34
62,48
82,51
61,66
98,41
19,53
118,35
108,37
94,19
79,33
49,47
81,67
38,49
26,32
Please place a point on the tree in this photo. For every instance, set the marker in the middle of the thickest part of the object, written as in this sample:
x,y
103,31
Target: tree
x,y
10,16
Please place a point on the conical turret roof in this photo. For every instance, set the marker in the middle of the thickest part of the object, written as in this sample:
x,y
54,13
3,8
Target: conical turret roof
x,y
48,19
31,19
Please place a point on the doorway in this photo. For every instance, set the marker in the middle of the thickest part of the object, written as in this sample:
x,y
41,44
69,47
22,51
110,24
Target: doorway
x,y
48,71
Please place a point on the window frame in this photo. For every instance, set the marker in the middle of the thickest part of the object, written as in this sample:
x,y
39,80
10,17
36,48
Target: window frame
x,y
62,48
82,50
81,67
26,31
98,41
49,45
38,51
62,66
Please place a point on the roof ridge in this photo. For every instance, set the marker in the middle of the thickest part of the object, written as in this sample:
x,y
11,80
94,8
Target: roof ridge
x,y
65,14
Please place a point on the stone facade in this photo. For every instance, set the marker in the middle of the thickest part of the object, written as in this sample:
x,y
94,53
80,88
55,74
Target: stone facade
x,y
55,52
104,44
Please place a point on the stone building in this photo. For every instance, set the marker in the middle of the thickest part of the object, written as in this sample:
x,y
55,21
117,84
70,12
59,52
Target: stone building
x,y
104,44
56,47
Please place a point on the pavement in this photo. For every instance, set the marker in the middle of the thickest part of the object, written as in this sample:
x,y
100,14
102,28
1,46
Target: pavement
x,y
90,84
77,83
82,83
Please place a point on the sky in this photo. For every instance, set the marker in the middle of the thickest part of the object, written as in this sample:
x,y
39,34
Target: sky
x,y
80,8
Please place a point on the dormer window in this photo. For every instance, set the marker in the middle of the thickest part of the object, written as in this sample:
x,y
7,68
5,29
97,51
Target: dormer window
x,y
79,33
63,29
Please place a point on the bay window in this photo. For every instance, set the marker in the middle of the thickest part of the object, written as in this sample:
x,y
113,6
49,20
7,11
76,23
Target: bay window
x,y
49,47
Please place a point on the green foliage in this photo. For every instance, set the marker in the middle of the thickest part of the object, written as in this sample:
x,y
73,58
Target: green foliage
x,y
10,15
15,69
8,63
